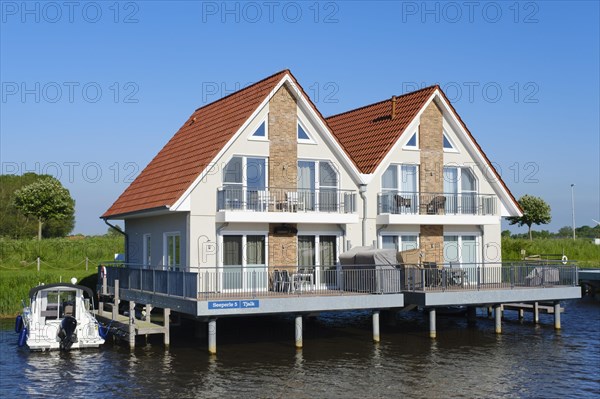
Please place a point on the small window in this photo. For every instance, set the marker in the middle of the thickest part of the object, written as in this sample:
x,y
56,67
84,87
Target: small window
x,y
261,132
302,135
448,144
173,250
413,142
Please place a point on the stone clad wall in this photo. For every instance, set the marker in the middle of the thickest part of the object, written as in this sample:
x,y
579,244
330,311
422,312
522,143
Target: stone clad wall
x,y
431,178
283,168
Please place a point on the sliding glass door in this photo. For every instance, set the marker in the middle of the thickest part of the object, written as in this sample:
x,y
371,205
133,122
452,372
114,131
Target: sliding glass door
x,y
244,263
317,254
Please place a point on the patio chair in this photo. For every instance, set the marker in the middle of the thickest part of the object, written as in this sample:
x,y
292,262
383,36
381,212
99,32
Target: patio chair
x,y
293,201
437,204
286,284
276,280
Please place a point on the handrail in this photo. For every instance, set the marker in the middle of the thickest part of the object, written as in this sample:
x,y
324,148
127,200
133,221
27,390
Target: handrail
x,y
241,198
442,203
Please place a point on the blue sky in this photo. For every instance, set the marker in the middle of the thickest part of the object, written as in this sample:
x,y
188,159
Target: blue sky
x,y
91,91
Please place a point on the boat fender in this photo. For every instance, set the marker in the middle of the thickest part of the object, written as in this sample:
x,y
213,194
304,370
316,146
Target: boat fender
x,y
564,259
18,324
23,336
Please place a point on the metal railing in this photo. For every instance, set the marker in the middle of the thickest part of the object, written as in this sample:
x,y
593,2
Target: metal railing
x,y
411,203
261,281
489,276
286,200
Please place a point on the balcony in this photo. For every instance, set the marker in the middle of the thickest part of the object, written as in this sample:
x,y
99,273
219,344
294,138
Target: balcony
x,y
286,205
436,208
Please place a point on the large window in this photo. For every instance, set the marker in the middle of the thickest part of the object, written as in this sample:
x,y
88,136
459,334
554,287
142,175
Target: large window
x,y
172,250
244,183
317,254
399,242
244,262
318,185
460,190
399,189
460,250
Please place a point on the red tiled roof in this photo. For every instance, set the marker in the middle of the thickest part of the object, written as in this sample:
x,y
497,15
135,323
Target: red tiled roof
x,y
191,150
367,134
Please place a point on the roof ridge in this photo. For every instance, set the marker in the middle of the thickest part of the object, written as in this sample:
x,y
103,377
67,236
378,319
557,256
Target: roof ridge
x,y
243,89
383,101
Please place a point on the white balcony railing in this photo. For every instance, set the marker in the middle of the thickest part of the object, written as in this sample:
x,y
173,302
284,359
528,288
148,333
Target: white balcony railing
x,y
286,200
410,203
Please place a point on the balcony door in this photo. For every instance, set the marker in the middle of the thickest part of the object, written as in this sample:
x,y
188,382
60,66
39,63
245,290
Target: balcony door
x,y
399,189
245,184
317,254
244,263
460,190
318,186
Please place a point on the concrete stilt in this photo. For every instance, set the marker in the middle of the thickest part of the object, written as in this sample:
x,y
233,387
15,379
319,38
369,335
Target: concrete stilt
x,y
167,332
115,308
521,314
536,313
471,314
557,315
498,317
131,323
212,336
298,331
376,326
432,332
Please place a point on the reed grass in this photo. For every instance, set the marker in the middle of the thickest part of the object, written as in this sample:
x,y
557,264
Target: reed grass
x,y
582,250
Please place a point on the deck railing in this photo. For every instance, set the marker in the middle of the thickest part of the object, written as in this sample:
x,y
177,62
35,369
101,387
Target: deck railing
x,y
489,276
260,281
411,203
286,200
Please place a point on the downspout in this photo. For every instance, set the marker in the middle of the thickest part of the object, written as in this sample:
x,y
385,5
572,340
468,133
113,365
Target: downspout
x,y
219,229
362,189
383,227
343,230
124,235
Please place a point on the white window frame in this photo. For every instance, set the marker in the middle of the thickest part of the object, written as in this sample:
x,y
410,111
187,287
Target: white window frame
x,y
166,236
399,236
259,138
460,234
244,265
317,181
415,147
147,250
447,136
316,235
310,139
244,184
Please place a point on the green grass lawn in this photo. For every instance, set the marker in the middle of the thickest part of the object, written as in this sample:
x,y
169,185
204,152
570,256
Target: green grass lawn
x,y
584,251
61,259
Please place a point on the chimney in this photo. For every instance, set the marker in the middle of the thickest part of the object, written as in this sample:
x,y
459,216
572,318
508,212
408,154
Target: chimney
x,y
393,107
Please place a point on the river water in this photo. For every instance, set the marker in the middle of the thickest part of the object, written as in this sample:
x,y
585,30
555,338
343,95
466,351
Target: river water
x,y
257,359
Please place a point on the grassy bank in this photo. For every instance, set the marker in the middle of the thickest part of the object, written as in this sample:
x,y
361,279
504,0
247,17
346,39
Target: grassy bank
x,y
585,252
60,259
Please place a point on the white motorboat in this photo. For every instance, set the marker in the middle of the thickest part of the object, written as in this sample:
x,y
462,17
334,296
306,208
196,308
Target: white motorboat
x,y
59,317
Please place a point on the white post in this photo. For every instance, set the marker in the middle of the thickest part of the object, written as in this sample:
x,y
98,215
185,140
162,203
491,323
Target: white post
x,y
376,326
557,315
432,332
87,261
38,263
298,323
498,316
212,336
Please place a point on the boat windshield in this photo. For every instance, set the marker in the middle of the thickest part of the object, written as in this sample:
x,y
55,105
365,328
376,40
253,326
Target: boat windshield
x,y
57,304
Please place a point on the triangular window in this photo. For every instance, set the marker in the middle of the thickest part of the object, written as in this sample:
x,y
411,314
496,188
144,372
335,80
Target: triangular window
x,y
448,146
261,132
302,135
413,142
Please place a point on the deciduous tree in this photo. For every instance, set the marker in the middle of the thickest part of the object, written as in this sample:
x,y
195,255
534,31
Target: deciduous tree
x,y
45,199
535,211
